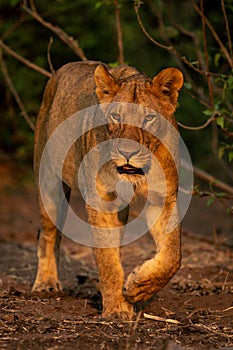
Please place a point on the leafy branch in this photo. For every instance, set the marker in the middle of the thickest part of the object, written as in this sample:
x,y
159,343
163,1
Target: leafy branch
x,y
214,98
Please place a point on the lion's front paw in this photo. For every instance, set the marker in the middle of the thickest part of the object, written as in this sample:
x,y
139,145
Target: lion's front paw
x,y
148,279
137,289
52,285
119,311
142,283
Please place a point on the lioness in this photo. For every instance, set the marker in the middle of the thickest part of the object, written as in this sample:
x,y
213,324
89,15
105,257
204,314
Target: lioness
x,y
75,87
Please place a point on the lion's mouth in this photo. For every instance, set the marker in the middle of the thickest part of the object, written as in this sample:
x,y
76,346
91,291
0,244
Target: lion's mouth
x,y
129,170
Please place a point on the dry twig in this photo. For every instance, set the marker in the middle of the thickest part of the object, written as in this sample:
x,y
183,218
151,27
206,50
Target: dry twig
x,y
227,28
215,35
208,78
49,56
203,126
136,8
210,329
71,42
170,48
14,92
24,60
225,281
228,309
161,319
209,178
120,58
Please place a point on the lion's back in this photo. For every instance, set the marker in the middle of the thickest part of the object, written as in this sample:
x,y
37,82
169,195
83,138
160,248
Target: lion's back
x,y
69,90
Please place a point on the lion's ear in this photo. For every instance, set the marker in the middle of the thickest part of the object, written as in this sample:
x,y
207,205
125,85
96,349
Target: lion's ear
x,y
106,87
167,84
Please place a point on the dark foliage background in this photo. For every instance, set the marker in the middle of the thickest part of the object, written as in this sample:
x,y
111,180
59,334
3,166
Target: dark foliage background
x,y
93,23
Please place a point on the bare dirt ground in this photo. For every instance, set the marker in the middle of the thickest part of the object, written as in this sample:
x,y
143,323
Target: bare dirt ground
x,y
198,300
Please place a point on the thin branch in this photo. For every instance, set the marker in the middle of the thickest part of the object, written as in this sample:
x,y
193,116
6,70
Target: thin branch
x,y
32,4
181,61
214,142
227,28
209,83
208,178
68,40
136,8
202,327
169,48
49,56
120,58
24,60
14,92
215,35
193,36
203,126
212,118
226,132
12,28
200,96
202,194
205,22
201,238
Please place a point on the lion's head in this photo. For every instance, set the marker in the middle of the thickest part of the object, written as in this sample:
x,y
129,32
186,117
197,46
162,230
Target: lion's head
x,y
135,112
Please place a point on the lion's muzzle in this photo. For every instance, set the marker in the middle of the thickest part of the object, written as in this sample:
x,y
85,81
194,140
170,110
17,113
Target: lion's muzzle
x,y
130,170
130,157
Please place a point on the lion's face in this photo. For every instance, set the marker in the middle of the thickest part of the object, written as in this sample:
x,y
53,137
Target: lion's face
x,y
128,126
133,115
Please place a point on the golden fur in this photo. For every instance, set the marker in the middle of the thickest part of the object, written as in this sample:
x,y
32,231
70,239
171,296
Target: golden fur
x,y
72,88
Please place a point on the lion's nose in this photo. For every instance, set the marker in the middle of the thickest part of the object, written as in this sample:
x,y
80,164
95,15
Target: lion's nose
x,y
127,148
127,154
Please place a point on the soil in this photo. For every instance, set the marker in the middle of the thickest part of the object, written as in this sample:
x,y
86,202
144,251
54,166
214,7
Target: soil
x,y
195,309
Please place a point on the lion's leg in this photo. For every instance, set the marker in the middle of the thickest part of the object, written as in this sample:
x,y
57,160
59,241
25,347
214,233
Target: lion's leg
x,y
106,248
111,278
154,274
49,242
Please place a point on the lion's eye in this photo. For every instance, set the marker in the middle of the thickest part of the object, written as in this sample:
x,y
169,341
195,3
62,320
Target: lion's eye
x,y
166,91
149,117
116,117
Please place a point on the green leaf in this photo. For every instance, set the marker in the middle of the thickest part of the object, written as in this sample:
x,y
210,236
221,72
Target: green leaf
x,y
113,64
217,59
138,2
220,121
220,194
229,6
14,2
230,82
221,152
208,112
229,210
98,4
210,201
230,156
216,105
188,86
